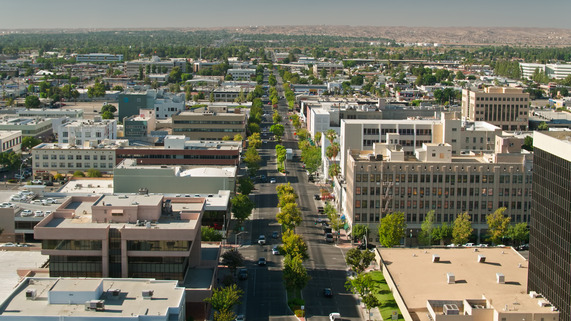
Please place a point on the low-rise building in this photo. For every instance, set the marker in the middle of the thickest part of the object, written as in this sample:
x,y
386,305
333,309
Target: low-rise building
x,y
40,128
83,131
10,141
507,108
98,57
241,73
42,299
208,125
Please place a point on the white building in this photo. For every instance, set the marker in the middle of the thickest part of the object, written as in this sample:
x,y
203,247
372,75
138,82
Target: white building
x,y
241,73
39,299
167,106
10,140
98,57
557,71
85,130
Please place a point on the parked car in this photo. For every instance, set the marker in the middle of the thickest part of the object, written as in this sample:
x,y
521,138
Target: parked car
x,y
275,234
275,250
240,317
317,197
262,261
37,181
9,245
6,204
272,180
262,239
329,238
243,274
27,213
15,198
523,247
48,183
328,293
39,214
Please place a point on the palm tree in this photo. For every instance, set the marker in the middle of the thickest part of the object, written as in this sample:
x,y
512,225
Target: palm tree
x,y
331,135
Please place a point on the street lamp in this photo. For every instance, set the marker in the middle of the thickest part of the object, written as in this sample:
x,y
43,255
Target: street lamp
x,y
410,238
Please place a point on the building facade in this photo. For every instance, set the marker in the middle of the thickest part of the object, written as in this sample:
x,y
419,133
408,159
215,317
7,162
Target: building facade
x,y
98,57
386,180
84,131
10,141
122,236
550,230
507,108
208,126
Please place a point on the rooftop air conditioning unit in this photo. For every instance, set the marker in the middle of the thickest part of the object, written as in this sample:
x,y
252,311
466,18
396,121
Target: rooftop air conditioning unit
x,y
450,309
148,294
500,278
450,278
114,293
533,294
435,258
481,259
95,305
31,294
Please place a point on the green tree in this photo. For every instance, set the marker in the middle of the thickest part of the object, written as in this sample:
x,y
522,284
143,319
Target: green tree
x,y
283,189
543,126
362,284
286,199
224,316
359,260
252,159
107,115
317,137
332,150
360,231
294,273
442,232
108,107
118,88
528,143
331,135
78,174
370,300
498,225
224,299
226,138
460,75
272,80
519,233
278,130
294,245
289,216
427,229
311,158
238,138
233,259
94,173
462,229
245,185
29,142
392,229
276,117
334,170
209,234
254,140
97,90
242,207
32,102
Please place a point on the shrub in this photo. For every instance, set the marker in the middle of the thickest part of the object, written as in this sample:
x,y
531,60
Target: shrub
x,y
300,313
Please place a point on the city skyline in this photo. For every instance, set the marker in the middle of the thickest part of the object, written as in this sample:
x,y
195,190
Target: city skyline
x,y
221,13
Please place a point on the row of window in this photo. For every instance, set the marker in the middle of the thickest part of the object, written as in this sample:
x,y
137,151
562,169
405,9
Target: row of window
x,y
444,178
75,165
208,130
209,122
439,218
85,134
501,98
71,157
12,142
420,191
401,131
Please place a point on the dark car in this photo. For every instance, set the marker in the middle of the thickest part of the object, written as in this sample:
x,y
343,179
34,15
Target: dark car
x,y
48,183
275,235
262,261
369,246
320,209
317,197
243,274
328,293
523,247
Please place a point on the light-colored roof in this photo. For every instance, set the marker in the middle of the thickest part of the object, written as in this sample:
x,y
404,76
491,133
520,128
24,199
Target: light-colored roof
x,y
419,280
128,303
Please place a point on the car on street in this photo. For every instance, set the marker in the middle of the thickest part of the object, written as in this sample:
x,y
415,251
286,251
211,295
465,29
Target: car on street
x,y
328,293
275,234
275,250
334,316
46,213
9,245
320,209
329,238
241,317
523,247
263,179
262,261
317,197
243,274
37,181
262,239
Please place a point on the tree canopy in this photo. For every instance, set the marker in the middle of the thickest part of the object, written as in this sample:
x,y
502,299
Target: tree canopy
x,y
392,229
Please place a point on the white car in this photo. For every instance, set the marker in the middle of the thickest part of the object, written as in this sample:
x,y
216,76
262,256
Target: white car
x,y
9,245
39,214
262,240
37,182
27,213
47,213
5,204
15,198
272,180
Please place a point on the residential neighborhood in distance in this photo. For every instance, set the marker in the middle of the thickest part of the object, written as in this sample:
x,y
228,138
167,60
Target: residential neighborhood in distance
x,y
266,172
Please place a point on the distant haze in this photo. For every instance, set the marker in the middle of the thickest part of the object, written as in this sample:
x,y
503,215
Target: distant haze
x,y
22,14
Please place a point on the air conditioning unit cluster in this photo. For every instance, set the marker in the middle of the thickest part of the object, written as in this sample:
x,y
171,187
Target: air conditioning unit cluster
x,y
450,309
148,294
95,305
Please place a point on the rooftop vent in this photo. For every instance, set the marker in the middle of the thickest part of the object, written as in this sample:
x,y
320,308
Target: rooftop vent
x,y
148,294
481,259
435,258
500,278
450,278
31,294
114,293
450,309
533,294
95,305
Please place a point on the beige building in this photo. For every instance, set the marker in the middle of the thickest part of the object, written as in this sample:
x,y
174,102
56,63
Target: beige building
x,y
507,108
67,158
387,180
10,140
209,125
463,284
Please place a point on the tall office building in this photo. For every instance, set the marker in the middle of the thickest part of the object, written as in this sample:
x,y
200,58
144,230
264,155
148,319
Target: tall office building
x,y
550,234
504,107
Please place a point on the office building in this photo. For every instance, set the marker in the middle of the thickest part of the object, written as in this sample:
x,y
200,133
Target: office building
x,y
507,108
10,141
462,284
550,230
40,128
123,236
98,57
208,125
556,71
179,150
238,74
40,299
139,127
83,131
386,180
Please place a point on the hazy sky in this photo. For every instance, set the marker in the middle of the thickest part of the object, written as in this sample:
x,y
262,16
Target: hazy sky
x,y
17,14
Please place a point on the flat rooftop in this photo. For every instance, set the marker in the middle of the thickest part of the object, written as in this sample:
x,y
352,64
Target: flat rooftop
x,y
419,280
128,303
11,261
88,186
